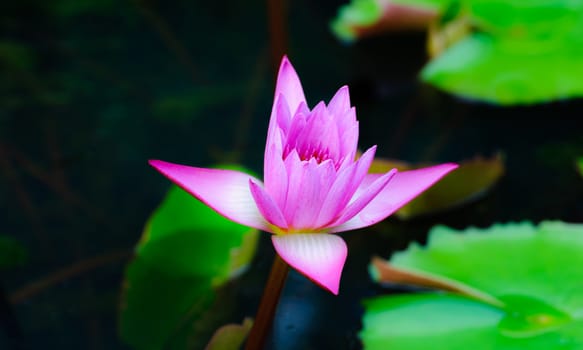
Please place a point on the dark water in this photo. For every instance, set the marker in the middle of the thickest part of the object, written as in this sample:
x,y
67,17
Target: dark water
x,y
93,90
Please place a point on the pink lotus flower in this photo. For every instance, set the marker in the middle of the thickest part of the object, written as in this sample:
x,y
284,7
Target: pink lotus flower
x,y
313,186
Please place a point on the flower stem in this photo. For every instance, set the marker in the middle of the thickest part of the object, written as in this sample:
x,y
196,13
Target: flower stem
x,y
268,304
277,21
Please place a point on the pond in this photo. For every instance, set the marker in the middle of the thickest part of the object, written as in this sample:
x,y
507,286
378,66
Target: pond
x,y
91,90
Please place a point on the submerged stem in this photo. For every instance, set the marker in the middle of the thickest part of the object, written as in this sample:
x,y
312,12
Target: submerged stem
x,y
268,304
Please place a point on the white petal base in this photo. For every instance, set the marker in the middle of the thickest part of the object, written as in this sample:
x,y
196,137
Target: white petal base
x,y
318,256
225,191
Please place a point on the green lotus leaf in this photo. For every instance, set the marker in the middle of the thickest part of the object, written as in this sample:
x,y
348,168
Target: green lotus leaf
x,y
451,322
186,252
359,13
469,182
500,51
529,275
438,5
512,259
540,19
363,18
507,71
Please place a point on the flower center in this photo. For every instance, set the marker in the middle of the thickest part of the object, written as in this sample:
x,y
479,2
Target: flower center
x,y
315,136
317,153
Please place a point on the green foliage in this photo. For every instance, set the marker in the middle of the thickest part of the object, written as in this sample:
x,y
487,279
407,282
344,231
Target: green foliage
x,y
500,51
230,336
428,4
187,251
413,321
12,253
527,283
535,19
451,322
357,13
517,53
17,55
503,71
354,19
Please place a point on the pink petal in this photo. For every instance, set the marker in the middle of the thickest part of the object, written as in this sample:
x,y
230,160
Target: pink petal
x,y
345,118
275,175
313,189
349,145
279,123
288,97
319,256
400,190
225,191
283,113
344,187
337,197
362,166
303,109
365,197
319,135
293,135
308,184
289,85
267,206
295,174
340,103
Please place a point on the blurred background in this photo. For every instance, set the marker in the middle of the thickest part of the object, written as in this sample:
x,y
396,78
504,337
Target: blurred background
x,y
92,89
